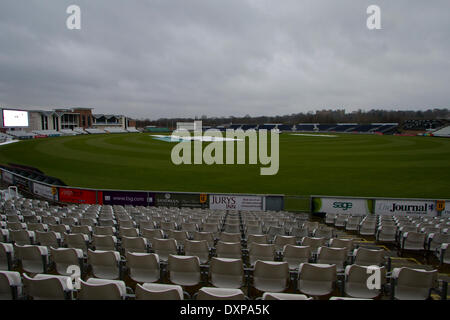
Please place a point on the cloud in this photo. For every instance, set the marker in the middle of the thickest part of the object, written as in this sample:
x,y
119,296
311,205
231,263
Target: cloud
x,y
173,58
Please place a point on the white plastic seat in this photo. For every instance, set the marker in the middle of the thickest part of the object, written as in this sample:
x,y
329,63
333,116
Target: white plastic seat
x,y
284,296
208,236
294,255
342,243
413,241
356,278
164,247
413,284
314,243
230,237
105,264
386,233
368,257
231,250
65,257
6,256
156,291
316,279
22,237
48,239
184,270
143,267
263,252
102,289
48,287
226,273
337,256
271,276
281,241
197,248
104,242
77,241
134,244
10,285
104,230
208,293
34,259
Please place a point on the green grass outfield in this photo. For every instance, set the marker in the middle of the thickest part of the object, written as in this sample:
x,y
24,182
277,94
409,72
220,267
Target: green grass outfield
x,y
348,165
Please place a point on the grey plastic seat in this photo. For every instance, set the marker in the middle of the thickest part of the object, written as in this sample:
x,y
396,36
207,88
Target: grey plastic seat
x,y
386,233
230,237
77,241
342,243
48,239
66,257
102,289
208,293
179,236
197,248
84,229
281,241
34,259
231,250
263,252
105,264
314,243
104,230
143,267
284,296
413,241
10,285
37,227
6,256
337,256
134,244
226,273
156,291
208,236
316,279
271,276
104,242
356,278
22,237
413,284
165,247
295,255
368,257
444,254
128,232
184,270
48,287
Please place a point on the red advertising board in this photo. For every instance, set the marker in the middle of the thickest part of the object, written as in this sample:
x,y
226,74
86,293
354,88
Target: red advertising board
x,y
80,196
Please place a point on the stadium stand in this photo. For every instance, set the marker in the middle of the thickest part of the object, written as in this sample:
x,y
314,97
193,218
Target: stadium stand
x,y
285,127
48,133
115,130
95,131
79,130
252,266
22,134
325,127
267,126
305,127
422,124
444,132
68,132
344,127
132,130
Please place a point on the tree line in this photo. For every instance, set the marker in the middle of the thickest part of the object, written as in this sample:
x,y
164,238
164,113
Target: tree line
x,y
322,116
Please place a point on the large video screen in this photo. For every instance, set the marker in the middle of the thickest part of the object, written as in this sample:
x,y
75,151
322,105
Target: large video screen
x,y
15,118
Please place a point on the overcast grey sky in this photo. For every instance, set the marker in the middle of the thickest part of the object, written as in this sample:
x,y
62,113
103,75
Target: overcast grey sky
x,y
174,58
